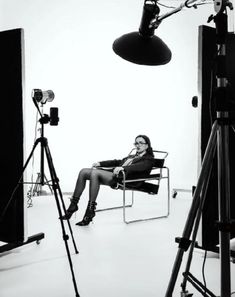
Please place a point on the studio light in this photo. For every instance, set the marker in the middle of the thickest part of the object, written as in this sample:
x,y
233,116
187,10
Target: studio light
x,y
143,47
43,96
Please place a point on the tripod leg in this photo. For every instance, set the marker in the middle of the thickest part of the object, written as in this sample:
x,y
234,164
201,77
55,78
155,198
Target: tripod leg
x,y
55,178
47,183
56,187
30,155
185,242
196,225
70,228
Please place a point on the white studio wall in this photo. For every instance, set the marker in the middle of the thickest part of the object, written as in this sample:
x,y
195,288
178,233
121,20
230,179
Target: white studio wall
x,y
104,101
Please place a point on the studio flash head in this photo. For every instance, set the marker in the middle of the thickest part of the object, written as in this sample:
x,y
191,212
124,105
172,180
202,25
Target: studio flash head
x,y
43,96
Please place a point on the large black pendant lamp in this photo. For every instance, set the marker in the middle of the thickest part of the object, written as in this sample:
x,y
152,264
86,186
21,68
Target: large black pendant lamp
x,y
143,47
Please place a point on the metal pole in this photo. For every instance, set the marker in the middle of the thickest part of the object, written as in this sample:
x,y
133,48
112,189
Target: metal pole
x,y
222,107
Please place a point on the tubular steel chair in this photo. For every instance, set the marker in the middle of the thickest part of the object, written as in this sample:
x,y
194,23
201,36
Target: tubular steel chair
x,y
150,185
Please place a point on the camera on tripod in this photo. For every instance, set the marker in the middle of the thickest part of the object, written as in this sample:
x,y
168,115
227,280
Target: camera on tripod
x,y
43,97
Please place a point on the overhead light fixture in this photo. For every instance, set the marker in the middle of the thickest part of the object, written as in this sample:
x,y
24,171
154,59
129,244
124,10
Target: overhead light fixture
x,y
143,47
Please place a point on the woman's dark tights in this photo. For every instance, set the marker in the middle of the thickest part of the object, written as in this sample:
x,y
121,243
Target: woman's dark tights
x,y
97,177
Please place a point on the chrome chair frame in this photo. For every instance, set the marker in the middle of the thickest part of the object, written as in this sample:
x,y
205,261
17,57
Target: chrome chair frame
x,y
163,173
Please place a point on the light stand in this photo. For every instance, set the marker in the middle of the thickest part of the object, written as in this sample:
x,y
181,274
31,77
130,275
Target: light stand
x,y
57,194
219,138
56,190
219,133
59,200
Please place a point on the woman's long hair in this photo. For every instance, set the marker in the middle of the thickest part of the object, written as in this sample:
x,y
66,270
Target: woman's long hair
x,y
147,140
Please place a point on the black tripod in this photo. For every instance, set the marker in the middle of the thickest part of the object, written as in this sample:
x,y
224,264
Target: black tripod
x,y
57,194
219,138
59,200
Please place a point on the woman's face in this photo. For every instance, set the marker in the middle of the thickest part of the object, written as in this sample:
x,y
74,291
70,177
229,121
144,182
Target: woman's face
x,y
141,145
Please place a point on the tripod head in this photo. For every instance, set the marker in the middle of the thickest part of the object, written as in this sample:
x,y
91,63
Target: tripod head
x,y
53,118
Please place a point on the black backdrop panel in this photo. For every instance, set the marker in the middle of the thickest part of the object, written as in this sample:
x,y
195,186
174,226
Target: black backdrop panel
x,y
11,119
206,84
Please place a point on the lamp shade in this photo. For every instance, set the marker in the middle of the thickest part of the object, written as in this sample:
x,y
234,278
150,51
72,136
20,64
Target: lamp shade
x,y
142,50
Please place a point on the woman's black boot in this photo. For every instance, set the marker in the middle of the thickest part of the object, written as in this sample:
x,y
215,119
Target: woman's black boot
x,y
71,209
89,214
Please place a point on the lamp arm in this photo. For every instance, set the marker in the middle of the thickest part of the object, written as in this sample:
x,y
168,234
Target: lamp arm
x,y
155,23
219,6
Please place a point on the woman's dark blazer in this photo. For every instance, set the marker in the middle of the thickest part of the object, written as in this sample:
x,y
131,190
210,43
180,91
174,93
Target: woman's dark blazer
x,y
140,167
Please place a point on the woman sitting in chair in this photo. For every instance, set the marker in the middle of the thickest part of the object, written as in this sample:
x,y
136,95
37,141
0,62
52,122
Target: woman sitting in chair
x,y
134,166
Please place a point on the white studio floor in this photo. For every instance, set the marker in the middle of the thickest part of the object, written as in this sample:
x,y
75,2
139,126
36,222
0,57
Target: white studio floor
x,y
114,260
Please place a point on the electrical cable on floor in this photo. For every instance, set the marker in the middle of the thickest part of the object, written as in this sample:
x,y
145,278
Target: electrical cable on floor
x,y
203,274
203,270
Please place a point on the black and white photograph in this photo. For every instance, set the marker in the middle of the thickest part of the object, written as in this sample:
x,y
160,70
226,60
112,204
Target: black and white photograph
x,y
117,148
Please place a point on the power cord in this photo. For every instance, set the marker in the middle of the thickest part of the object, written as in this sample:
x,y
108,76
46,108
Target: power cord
x,y
203,271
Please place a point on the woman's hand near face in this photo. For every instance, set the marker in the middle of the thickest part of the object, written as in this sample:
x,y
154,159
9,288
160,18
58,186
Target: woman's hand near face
x,y
116,170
